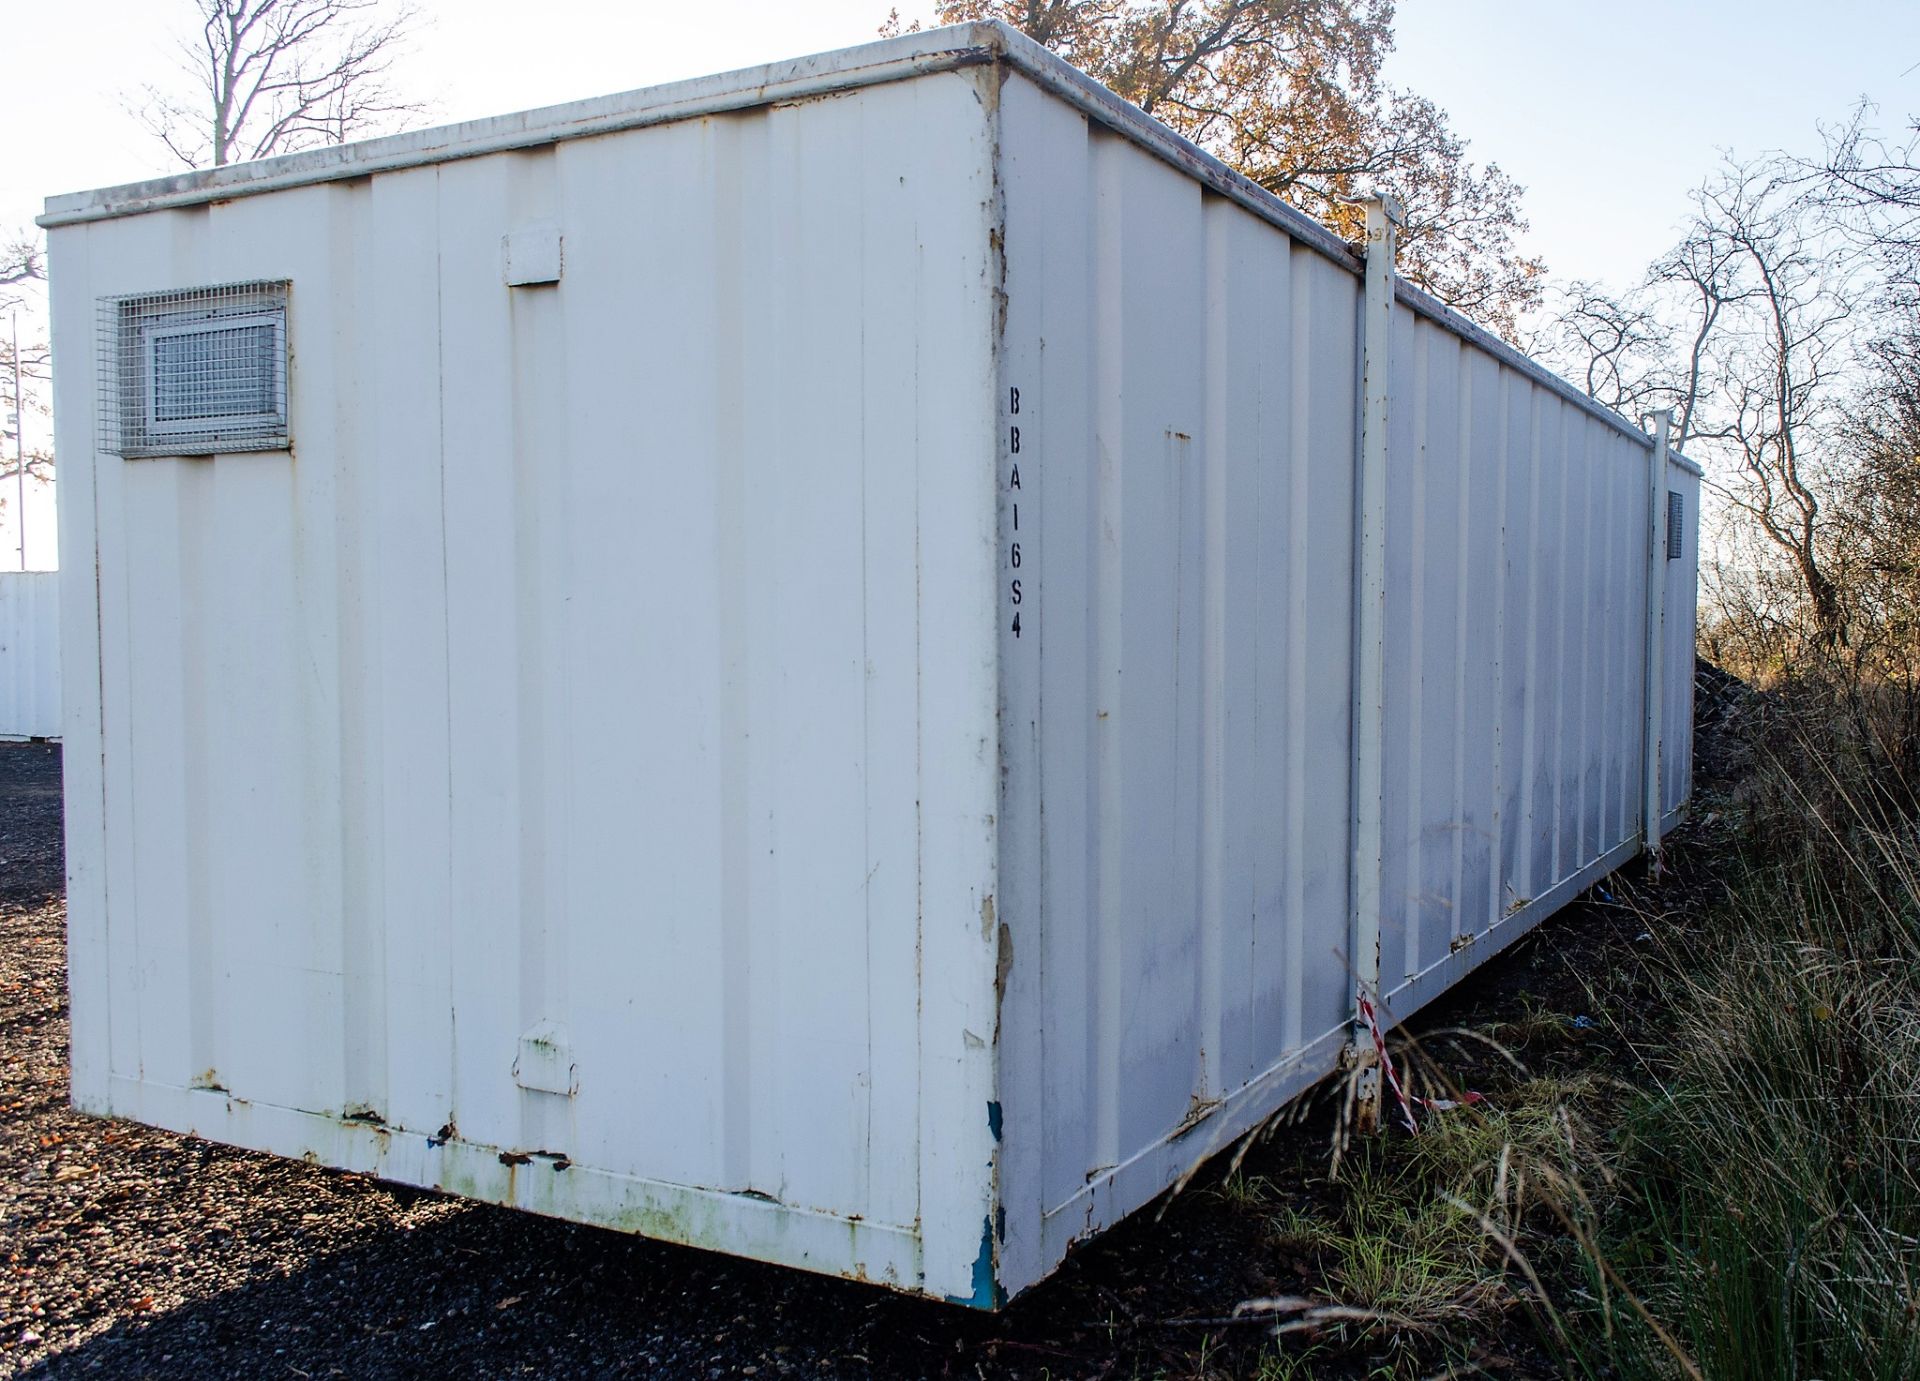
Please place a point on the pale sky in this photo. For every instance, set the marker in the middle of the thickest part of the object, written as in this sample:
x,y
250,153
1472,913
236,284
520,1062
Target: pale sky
x,y
1607,113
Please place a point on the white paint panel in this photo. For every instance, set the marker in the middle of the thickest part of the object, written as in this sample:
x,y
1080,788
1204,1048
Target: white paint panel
x,y
29,654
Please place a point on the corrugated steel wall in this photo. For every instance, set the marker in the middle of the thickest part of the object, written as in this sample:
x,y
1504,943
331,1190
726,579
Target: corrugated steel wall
x,y
601,656
1179,701
29,654
1516,541
1187,407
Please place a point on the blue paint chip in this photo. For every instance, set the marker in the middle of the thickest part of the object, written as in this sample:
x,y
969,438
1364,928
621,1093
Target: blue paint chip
x,y
986,1290
993,1119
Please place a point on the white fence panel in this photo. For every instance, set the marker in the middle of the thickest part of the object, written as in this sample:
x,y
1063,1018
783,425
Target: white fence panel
x,y
30,654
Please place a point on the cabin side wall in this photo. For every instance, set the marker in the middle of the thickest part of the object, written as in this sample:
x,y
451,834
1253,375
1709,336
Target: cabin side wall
x,y
1176,721
550,780
1513,725
1179,712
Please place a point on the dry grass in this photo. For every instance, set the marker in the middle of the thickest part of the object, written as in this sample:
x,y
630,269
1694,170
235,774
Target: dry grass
x,y
1742,1199
1771,1214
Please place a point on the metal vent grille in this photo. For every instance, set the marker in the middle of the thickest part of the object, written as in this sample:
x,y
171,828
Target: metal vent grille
x,y
195,372
1676,522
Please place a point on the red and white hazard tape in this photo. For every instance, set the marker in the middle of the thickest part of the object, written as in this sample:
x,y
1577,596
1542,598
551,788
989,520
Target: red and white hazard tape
x,y
1406,1101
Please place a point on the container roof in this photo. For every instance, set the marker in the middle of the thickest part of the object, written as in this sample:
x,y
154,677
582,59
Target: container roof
x,y
822,74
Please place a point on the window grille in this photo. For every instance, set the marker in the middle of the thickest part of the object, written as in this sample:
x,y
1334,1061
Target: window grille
x,y
195,372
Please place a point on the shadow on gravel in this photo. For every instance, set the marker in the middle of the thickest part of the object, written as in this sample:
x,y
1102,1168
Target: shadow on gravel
x,y
32,859
480,1290
513,1294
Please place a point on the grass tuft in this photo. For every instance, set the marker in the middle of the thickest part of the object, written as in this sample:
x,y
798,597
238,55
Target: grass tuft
x,y
1724,1181
1768,1221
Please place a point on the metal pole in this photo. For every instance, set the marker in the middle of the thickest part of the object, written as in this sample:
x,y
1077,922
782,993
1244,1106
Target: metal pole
x,y
1384,219
1655,687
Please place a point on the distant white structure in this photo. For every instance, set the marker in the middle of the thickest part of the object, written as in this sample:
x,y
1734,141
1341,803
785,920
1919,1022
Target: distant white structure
x,y
850,663
29,654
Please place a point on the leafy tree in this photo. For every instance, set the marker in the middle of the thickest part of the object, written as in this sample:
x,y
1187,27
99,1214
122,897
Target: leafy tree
x,y
1290,93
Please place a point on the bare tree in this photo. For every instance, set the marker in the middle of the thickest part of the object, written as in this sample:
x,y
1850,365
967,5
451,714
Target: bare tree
x,y
1869,186
1654,346
34,366
1770,361
1875,508
1784,331
275,76
1750,330
25,370
22,261
1701,278
1617,348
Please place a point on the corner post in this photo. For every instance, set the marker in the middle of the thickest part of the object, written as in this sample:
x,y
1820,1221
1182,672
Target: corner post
x,y
1655,681
1384,219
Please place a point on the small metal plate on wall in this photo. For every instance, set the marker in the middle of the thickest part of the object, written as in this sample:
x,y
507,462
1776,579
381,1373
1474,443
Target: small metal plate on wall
x,y
545,1061
532,255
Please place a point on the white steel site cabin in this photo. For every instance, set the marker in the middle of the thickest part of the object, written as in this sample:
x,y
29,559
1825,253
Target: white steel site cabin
x,y
817,662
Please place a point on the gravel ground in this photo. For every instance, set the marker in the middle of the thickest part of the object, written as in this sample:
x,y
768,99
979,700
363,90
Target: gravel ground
x,y
131,1252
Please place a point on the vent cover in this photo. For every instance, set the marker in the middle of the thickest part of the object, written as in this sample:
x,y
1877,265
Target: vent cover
x,y
1676,522
196,372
